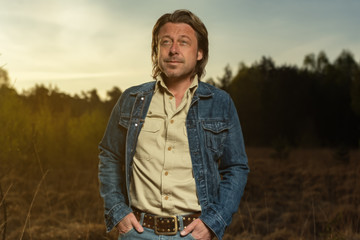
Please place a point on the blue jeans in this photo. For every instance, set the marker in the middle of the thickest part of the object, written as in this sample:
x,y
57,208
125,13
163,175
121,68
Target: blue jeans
x,y
149,234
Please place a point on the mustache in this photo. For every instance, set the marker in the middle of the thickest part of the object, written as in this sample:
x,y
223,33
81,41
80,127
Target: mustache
x,y
174,59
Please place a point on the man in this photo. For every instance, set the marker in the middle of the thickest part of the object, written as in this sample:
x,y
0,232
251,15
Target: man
x,y
172,159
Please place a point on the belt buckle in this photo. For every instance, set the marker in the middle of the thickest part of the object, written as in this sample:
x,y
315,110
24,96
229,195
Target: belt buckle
x,y
166,220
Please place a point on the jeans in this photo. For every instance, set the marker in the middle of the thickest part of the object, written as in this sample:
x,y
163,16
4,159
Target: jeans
x,y
149,234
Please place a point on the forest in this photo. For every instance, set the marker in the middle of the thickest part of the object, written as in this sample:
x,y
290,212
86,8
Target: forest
x,y
317,105
302,131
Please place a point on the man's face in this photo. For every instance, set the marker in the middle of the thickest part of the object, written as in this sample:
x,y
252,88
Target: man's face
x,y
178,51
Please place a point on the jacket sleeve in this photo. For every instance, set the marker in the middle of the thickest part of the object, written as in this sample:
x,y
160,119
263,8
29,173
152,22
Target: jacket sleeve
x,y
233,168
112,169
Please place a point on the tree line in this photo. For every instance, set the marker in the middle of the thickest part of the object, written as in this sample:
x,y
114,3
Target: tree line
x,y
315,105
50,125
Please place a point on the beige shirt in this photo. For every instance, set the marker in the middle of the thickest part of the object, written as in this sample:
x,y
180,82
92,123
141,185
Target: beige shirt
x,y
163,182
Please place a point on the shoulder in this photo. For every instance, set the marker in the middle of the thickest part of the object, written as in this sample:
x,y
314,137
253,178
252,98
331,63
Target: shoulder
x,y
144,87
216,93
129,95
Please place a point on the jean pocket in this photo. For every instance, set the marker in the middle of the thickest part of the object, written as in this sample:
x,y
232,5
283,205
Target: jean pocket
x,y
190,237
127,235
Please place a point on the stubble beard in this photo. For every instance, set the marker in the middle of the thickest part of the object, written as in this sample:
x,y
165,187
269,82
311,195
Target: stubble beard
x,y
176,74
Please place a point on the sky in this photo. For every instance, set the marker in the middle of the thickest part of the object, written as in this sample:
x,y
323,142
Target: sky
x,y
80,45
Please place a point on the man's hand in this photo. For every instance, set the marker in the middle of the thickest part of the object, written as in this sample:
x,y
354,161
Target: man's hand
x,y
127,223
198,230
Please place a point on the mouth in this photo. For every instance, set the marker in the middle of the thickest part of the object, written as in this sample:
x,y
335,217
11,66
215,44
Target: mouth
x,y
173,61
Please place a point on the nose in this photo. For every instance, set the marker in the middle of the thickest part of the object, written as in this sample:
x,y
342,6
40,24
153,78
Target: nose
x,y
173,49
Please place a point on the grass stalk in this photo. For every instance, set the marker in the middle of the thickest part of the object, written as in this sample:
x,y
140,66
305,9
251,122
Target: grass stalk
x,y
251,218
3,205
32,203
42,172
314,220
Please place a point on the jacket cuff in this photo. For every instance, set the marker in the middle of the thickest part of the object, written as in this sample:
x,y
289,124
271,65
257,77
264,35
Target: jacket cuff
x,y
214,221
115,215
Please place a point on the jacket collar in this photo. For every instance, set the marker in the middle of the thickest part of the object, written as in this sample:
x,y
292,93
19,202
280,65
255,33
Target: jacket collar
x,y
203,90
143,88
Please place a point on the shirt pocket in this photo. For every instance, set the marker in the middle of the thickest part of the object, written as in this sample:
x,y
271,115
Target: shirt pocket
x,y
152,125
215,132
148,141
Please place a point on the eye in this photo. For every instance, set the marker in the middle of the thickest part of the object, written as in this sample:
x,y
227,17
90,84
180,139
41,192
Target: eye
x,y
165,42
184,42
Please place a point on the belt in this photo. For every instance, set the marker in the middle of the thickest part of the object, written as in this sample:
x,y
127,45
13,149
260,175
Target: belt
x,y
165,225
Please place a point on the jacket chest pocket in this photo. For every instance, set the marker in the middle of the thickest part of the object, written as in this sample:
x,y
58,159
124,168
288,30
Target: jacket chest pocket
x,y
215,134
124,121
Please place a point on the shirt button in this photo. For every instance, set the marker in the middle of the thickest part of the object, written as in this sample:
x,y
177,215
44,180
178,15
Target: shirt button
x,y
136,124
166,197
170,97
169,148
166,173
171,121
142,98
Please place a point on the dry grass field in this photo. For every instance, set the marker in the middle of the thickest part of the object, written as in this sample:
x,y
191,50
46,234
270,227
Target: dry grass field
x,y
311,195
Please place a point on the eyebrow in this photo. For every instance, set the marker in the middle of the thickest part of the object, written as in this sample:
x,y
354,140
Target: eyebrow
x,y
168,36
185,36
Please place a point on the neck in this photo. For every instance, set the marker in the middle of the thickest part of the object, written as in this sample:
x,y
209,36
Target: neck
x,y
178,84
178,87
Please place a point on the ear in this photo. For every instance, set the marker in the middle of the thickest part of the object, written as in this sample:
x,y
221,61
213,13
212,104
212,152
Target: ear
x,y
199,54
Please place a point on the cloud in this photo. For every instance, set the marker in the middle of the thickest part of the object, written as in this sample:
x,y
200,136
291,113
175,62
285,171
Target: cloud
x,y
62,40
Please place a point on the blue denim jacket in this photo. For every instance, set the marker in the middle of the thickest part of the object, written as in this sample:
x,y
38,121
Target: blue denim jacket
x,y
216,147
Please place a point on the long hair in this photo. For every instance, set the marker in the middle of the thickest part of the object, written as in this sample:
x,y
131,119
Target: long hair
x,y
181,16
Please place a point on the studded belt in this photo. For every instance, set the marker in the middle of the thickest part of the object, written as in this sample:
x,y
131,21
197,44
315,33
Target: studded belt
x,y
165,225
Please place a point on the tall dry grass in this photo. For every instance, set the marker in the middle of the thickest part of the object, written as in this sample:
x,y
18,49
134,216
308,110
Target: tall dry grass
x,y
310,195
60,203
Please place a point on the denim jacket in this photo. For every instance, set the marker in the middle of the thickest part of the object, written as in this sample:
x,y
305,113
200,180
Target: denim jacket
x,y
216,148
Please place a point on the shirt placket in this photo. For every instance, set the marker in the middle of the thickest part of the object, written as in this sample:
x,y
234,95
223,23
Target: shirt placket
x,y
169,151
172,115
